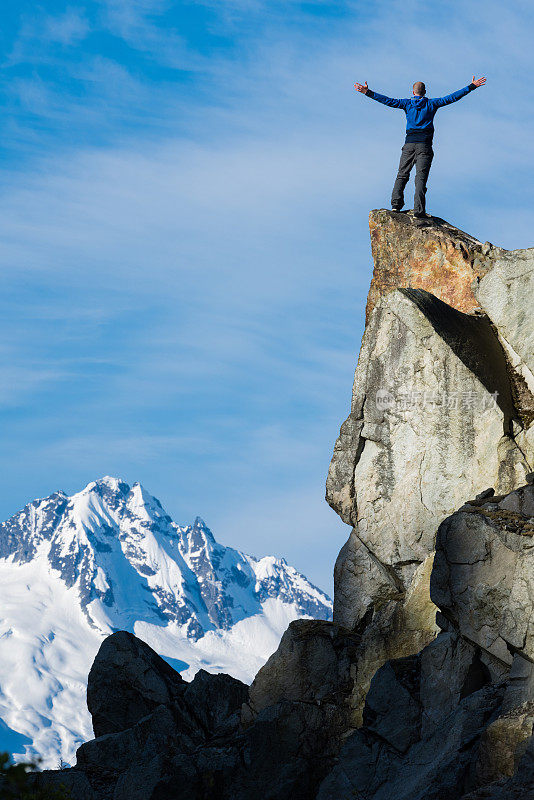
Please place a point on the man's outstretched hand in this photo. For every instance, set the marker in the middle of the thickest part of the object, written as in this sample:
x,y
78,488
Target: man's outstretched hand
x,y
478,82
364,89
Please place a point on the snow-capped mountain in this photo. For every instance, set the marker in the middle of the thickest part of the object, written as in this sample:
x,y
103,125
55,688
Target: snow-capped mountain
x,y
74,569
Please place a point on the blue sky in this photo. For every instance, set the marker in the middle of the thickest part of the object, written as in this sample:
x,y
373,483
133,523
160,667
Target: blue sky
x,y
184,249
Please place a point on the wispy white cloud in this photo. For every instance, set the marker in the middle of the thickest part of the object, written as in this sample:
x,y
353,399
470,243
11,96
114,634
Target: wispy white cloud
x,y
42,30
214,246
18,382
67,29
141,25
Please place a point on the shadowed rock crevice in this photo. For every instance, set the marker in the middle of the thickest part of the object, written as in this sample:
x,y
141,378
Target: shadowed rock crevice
x,y
522,393
473,340
478,676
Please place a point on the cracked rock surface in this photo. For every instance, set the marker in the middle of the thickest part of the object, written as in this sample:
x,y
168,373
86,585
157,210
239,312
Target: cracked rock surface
x,y
456,720
439,413
483,574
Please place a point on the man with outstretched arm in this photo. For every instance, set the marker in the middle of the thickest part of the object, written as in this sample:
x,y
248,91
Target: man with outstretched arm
x,y
420,111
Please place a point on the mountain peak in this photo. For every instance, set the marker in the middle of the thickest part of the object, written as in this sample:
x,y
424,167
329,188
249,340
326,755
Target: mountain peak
x,y
73,569
200,529
108,482
142,502
129,561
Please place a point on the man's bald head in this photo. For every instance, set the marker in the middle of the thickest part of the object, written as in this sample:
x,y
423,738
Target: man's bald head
x,y
419,88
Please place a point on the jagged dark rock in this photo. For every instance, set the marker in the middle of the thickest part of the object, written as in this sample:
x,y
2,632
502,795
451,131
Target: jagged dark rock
x,y
314,664
177,740
127,682
422,688
147,721
456,720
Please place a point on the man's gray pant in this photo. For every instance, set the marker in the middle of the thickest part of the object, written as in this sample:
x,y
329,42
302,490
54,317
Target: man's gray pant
x,y
420,154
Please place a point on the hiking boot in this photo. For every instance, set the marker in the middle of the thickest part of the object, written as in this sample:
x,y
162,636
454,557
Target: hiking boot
x,y
421,216
396,208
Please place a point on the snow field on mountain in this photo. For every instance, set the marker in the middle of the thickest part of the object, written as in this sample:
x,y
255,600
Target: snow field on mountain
x,y
46,650
239,651
74,569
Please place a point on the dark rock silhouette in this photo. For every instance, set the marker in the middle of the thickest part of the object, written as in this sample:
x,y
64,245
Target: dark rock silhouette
x,y
160,737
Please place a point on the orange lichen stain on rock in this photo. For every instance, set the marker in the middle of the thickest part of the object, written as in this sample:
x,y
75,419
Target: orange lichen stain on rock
x,y
435,257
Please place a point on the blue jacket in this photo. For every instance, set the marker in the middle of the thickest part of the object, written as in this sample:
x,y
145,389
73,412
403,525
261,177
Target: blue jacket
x,y
420,111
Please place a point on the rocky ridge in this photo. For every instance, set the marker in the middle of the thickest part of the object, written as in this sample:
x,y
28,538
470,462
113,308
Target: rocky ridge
x,y
422,687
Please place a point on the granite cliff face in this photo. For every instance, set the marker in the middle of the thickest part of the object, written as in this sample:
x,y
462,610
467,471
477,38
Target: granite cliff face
x,y
441,410
422,687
